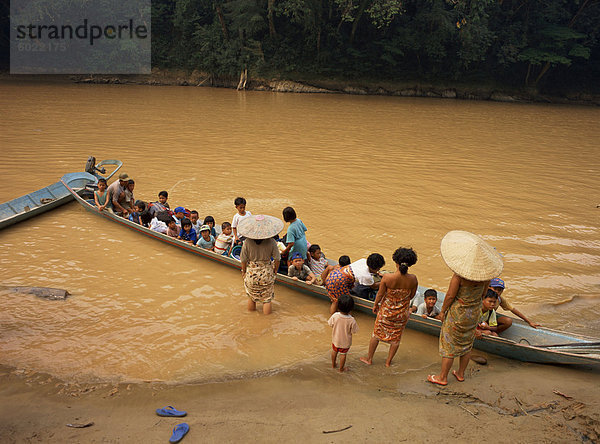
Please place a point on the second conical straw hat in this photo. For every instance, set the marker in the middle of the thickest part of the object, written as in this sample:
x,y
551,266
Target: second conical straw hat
x,y
470,257
260,226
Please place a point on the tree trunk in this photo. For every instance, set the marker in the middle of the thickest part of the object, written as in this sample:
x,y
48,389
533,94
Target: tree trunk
x,y
361,9
270,15
222,21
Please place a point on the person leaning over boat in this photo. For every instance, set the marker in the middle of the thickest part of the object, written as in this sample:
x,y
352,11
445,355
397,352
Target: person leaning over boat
x,y
116,194
505,322
474,262
340,281
260,258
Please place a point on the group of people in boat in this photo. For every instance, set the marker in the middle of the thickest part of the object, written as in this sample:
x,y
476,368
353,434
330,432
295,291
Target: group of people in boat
x,y
468,311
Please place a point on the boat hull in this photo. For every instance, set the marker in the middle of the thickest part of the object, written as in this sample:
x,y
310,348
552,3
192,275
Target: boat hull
x,y
517,346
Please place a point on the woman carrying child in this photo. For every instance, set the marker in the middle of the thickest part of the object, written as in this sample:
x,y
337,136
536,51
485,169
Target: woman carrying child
x,y
392,304
260,259
474,262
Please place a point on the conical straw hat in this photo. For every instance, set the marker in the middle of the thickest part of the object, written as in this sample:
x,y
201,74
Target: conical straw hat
x,y
470,257
260,226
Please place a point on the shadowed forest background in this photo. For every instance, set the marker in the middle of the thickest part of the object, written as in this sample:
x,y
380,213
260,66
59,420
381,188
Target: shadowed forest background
x,y
551,46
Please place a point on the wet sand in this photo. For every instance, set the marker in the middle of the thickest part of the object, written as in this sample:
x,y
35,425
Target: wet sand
x,y
504,398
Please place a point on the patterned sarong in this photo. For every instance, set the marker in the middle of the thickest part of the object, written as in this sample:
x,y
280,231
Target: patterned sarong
x,y
259,281
392,315
339,282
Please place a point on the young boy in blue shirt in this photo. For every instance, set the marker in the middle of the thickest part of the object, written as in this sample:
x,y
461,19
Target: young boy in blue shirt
x,y
295,237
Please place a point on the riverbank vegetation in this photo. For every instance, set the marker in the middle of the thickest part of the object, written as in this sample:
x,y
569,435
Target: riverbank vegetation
x,y
549,46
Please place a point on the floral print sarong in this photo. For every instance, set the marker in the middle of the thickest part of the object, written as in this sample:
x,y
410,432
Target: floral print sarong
x,y
259,281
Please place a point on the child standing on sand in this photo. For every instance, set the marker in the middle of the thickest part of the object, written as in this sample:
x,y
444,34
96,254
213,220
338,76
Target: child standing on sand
x,y
344,325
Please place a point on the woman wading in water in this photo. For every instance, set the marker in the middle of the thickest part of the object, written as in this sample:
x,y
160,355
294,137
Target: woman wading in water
x,y
260,259
474,262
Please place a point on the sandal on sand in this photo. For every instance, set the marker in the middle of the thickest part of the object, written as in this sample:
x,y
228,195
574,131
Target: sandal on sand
x,y
458,378
431,378
170,411
179,432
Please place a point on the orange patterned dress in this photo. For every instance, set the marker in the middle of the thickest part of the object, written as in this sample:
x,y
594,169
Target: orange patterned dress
x,y
392,315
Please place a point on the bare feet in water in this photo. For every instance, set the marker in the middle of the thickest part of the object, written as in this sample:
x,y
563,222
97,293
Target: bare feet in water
x,y
366,361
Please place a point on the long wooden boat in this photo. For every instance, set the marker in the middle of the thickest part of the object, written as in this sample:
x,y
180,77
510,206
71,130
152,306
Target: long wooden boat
x,y
520,342
52,196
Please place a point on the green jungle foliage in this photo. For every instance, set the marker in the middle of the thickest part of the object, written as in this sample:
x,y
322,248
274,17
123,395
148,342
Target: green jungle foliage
x,y
546,44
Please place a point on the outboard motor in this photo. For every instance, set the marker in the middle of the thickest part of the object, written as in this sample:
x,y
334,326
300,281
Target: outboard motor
x,y
90,166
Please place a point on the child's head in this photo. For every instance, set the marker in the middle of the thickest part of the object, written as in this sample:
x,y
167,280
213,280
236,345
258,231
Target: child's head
x,y
162,197
344,260
497,285
194,216
172,224
139,205
179,212
210,221
205,232
345,304
430,297
130,184
146,217
375,261
404,257
186,224
226,228
297,260
240,204
101,184
490,300
315,251
289,214
164,217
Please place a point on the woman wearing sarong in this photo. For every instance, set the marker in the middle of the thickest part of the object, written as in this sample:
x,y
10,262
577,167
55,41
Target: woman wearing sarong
x,y
260,259
340,281
392,304
474,262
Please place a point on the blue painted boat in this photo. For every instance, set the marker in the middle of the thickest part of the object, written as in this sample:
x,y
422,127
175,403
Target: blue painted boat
x,y
521,342
52,196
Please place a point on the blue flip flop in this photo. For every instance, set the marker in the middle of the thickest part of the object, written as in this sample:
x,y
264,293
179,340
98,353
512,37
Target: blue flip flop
x,y
170,411
179,432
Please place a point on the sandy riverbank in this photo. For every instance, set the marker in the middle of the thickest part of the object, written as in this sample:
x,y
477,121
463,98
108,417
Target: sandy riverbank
x,y
504,398
300,84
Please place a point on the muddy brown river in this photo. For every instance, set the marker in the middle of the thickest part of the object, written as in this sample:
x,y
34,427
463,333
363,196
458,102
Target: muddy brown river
x,y
365,174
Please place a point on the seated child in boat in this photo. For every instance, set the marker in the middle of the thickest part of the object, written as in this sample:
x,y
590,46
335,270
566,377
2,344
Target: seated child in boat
x,y
161,204
138,207
101,195
298,271
178,215
206,240
196,222
210,221
342,262
344,325
488,324
224,240
172,228
160,222
240,206
129,199
146,218
317,262
187,232
428,308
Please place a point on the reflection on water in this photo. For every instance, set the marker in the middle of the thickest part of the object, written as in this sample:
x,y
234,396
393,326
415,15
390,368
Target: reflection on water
x,y
365,174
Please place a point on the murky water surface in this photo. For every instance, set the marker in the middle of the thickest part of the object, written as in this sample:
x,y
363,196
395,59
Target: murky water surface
x,y
365,174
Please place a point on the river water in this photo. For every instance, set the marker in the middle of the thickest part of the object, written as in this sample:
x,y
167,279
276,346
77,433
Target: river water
x,y
365,174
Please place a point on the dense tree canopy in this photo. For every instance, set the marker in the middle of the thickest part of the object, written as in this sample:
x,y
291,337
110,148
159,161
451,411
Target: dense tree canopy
x,y
516,42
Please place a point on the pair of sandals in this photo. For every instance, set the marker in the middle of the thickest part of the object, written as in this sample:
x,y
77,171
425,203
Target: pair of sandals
x,y
433,379
180,430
